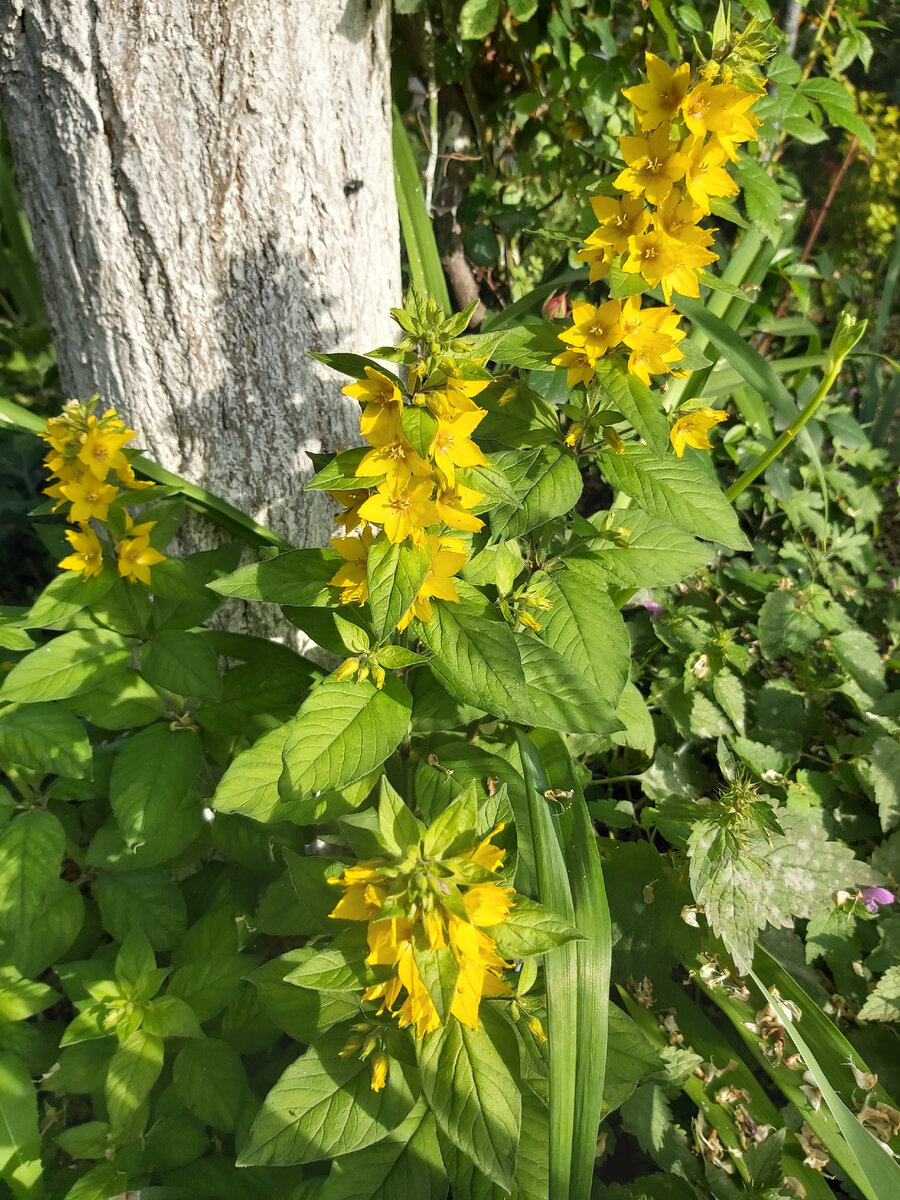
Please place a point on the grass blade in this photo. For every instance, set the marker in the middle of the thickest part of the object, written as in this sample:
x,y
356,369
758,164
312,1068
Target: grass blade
x,y
415,222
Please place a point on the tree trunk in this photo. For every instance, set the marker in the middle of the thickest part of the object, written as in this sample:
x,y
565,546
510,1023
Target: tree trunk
x,y
210,189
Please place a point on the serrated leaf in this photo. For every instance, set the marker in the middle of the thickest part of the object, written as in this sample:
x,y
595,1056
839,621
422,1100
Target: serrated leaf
x,y
473,1096
343,731
68,665
784,625
880,773
323,1106
883,1002
675,491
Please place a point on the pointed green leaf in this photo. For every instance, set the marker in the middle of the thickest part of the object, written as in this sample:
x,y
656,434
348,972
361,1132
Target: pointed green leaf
x,y
68,665
396,571
152,776
20,1154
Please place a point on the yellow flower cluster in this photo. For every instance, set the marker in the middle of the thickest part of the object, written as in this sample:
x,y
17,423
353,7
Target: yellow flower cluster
x,y
444,905
84,451
412,495
675,167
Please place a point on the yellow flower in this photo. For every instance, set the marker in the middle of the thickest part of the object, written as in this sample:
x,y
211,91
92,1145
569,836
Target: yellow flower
x,y
88,553
705,175
352,575
692,430
455,396
349,519
448,557
488,904
652,336
136,555
395,459
672,264
618,220
487,855
452,446
723,110
101,450
453,503
418,1007
661,98
580,367
595,330
380,420
89,498
655,165
405,510
379,1070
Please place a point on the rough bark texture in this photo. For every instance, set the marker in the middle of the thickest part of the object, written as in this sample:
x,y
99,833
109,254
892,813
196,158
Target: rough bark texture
x,y
210,189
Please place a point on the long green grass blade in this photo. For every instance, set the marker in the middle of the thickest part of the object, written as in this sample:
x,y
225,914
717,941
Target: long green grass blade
x,y
560,973
415,223
594,953
870,406
877,1176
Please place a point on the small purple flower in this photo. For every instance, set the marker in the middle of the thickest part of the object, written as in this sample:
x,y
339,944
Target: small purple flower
x,y
655,610
872,897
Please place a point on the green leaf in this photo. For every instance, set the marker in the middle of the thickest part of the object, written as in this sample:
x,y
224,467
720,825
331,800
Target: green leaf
x,y
746,876
323,1106
396,571
135,969
675,491
880,773
208,984
123,701
340,967
547,484
477,19
415,220
560,697
785,626
398,827
473,1096
657,554
66,595
587,629
21,998
406,1163
89,1140
68,665
476,656
46,738
531,929
250,785
439,971
183,663
147,900
135,1067
637,404
631,1058
152,776
883,1003
762,197
171,1017
210,1081
299,577
31,850
454,827
20,1154
353,365
343,731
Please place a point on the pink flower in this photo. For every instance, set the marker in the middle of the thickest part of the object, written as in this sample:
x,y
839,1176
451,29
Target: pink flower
x,y
872,897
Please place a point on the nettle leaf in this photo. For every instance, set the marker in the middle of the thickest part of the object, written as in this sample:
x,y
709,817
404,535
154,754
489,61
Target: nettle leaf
x,y
250,785
880,775
747,877
151,778
531,929
184,663
784,625
135,1067
395,571
630,1059
638,405
883,1003
547,484
324,1106
476,657
474,1097
657,555
44,737
68,665
676,491
343,731
406,1163
20,1152
299,577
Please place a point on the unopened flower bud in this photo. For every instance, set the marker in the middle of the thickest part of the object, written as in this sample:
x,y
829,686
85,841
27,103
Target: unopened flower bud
x,y
612,439
575,432
536,1028
379,1070
529,622
378,675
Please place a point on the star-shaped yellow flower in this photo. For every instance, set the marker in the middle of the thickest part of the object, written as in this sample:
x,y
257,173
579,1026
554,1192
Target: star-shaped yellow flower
x,y
693,429
660,99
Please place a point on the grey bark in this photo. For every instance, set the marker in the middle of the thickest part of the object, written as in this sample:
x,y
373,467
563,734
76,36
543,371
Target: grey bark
x,y
210,189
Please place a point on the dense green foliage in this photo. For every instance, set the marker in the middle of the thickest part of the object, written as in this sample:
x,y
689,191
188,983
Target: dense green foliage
x,y
667,690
